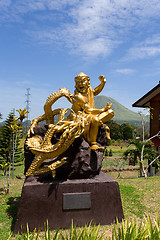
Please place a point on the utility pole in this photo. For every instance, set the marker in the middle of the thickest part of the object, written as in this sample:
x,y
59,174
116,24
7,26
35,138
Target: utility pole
x,y
27,108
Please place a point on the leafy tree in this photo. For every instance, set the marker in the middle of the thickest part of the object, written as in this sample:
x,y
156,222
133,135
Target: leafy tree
x,y
10,151
127,131
114,130
135,154
5,138
110,153
153,156
0,115
124,131
5,148
106,152
22,114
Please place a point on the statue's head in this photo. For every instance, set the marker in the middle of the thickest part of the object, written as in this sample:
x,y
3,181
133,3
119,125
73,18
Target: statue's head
x,y
82,82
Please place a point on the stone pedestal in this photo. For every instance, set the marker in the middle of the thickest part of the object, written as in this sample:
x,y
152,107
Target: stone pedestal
x,y
81,200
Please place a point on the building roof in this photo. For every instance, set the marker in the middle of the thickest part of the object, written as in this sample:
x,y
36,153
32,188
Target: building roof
x,y
145,100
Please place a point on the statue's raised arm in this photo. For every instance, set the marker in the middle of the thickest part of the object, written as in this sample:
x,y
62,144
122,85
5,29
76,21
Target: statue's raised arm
x,y
100,87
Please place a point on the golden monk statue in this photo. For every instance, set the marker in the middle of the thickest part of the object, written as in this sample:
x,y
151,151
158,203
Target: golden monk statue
x,y
83,119
83,100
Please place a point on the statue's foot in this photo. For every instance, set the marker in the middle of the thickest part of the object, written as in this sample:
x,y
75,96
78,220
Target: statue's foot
x,y
95,147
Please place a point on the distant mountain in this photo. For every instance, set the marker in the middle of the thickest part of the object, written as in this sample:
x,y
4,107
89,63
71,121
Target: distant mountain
x,y
121,113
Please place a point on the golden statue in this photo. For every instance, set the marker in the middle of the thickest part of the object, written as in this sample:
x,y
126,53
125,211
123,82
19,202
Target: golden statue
x,y
84,119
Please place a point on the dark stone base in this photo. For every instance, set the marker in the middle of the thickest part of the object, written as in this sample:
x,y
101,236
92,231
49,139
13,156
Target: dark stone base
x,y
81,161
83,200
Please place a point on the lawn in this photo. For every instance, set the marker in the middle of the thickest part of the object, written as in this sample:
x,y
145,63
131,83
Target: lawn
x,y
139,196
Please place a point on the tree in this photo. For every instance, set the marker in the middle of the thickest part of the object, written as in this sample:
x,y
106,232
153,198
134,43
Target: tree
x,y
5,149
127,131
152,156
0,115
135,153
10,152
114,130
124,131
22,114
143,119
16,152
5,138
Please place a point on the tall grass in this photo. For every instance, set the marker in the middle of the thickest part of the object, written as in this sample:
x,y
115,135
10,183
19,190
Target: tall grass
x,y
127,230
132,230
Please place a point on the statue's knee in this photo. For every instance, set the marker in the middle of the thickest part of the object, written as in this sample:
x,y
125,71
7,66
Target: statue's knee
x,y
95,120
111,112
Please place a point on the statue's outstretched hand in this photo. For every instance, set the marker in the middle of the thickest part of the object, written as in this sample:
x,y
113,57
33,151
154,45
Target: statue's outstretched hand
x,y
102,79
107,107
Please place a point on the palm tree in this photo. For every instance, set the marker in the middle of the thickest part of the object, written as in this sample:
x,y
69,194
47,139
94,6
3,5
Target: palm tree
x,y
22,114
135,154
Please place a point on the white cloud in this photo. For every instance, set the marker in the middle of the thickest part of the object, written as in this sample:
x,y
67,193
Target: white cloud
x,y
90,28
145,49
125,71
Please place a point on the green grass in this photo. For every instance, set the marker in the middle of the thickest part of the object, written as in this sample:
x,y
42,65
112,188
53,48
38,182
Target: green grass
x,y
9,203
131,198
139,196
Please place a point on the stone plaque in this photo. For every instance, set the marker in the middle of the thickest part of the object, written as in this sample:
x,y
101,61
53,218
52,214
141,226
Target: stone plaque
x,y
75,201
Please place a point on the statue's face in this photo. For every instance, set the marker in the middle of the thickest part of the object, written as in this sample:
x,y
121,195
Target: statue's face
x,y
82,85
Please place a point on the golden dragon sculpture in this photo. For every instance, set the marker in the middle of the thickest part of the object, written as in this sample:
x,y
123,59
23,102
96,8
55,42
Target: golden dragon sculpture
x,y
45,150
83,119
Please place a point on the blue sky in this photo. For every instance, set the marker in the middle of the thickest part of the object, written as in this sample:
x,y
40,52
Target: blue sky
x,y
44,44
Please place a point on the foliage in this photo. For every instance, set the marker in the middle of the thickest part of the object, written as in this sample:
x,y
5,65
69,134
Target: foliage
x,y
153,156
132,230
5,139
124,131
139,131
22,114
106,152
127,230
10,150
135,154
110,152
127,131
114,130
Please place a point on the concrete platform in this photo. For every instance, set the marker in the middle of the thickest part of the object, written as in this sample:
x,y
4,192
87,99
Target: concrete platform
x,y
81,200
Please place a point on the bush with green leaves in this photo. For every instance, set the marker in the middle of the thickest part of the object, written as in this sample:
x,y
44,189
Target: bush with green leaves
x,y
110,153
106,152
